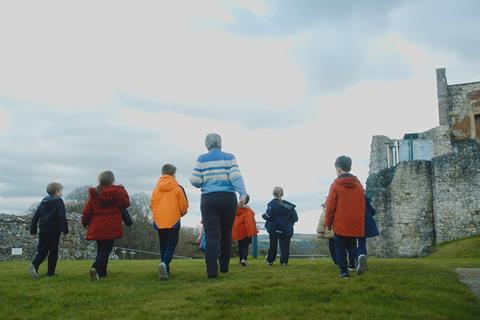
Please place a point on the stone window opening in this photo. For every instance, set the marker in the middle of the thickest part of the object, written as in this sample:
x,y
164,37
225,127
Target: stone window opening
x,y
476,126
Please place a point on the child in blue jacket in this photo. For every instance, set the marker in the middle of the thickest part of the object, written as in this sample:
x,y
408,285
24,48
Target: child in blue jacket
x,y
50,216
280,218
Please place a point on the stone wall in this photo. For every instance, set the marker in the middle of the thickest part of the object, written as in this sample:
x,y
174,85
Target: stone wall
x,y
456,192
15,233
402,197
378,155
464,102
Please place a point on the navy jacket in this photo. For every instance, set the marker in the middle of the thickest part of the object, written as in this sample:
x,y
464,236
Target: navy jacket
x,y
280,217
50,216
371,229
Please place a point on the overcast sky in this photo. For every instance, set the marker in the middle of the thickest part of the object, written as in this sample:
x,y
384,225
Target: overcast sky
x,y
88,86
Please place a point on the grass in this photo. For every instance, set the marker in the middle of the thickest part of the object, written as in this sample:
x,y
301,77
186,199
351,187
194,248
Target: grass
x,y
307,289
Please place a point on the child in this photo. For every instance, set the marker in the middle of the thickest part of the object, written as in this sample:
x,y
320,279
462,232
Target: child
x,y
102,216
169,203
51,218
280,218
323,233
244,228
345,212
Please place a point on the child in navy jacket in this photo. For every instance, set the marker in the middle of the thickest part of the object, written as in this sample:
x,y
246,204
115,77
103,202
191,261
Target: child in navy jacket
x,y
50,216
280,218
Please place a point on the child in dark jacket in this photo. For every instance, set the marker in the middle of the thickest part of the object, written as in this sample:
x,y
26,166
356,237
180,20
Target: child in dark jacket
x,y
50,216
280,218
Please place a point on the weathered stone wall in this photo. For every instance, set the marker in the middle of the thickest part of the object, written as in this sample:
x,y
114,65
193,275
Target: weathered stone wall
x,y
15,233
464,100
456,192
402,197
378,154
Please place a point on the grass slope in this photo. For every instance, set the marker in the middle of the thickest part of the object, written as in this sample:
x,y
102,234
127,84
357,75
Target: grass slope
x,y
307,289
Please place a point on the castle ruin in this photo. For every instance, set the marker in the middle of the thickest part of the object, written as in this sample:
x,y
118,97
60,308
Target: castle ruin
x,y
426,186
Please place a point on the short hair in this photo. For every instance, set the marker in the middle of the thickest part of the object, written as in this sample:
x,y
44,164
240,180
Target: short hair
x,y
54,187
278,192
106,178
213,140
169,169
344,163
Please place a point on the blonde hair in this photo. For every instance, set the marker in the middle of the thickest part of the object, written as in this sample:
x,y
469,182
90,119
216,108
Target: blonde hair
x,y
278,192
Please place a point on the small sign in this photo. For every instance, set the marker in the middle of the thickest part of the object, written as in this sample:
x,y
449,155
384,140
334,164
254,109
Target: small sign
x,y
17,251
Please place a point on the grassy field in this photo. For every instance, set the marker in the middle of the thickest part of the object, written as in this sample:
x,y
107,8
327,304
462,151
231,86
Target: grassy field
x,y
307,289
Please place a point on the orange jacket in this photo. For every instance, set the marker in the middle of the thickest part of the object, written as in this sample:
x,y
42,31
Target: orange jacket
x,y
345,207
169,202
244,225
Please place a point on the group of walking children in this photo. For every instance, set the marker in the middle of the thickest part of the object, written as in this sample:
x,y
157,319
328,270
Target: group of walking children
x,y
223,218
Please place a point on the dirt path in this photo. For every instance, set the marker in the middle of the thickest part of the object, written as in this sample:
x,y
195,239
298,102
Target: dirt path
x,y
470,277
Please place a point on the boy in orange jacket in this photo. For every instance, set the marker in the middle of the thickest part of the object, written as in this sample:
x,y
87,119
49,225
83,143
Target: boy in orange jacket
x,y
244,228
169,203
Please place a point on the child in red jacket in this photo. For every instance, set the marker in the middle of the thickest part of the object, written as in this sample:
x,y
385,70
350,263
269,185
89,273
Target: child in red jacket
x,y
103,219
244,228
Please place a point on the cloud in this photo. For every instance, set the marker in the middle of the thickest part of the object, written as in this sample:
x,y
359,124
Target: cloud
x,y
4,121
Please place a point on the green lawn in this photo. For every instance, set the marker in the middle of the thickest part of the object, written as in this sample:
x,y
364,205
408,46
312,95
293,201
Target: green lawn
x,y
306,289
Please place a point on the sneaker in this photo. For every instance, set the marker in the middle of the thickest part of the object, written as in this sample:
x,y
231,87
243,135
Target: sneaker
x,y
243,263
344,275
362,264
52,275
162,271
284,264
269,264
351,268
93,274
33,272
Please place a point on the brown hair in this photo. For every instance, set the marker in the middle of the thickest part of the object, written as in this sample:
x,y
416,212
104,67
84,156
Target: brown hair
x,y
105,178
54,187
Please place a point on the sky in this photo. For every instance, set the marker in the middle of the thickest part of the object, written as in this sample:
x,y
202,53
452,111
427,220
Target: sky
x,y
127,86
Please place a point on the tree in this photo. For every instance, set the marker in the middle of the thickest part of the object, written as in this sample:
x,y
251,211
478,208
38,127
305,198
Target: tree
x,y
75,200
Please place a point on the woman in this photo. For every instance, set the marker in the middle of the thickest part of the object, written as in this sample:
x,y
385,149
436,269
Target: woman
x,y
103,219
217,174
280,218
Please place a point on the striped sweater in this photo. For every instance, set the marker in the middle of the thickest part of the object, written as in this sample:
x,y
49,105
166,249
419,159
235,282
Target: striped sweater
x,y
217,171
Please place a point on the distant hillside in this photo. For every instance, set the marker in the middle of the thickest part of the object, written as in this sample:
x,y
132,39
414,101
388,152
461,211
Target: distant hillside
x,y
301,244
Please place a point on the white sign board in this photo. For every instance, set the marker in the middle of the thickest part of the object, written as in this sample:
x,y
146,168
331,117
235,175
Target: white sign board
x,y
17,251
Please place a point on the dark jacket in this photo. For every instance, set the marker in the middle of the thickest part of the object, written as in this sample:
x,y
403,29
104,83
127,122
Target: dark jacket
x,y
102,212
50,216
371,229
280,217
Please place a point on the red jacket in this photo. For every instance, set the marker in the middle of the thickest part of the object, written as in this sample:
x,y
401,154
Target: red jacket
x,y
244,225
345,207
101,213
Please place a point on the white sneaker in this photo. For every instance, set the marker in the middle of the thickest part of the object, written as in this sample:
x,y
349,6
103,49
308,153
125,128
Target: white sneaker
x,y
93,274
243,263
162,271
361,264
33,272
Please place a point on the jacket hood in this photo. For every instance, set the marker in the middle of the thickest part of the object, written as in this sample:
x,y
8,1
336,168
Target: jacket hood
x,y
50,198
348,181
282,207
242,210
167,183
107,196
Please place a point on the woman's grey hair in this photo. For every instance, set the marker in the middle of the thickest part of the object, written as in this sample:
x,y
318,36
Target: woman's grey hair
x,y
213,140
106,178
278,192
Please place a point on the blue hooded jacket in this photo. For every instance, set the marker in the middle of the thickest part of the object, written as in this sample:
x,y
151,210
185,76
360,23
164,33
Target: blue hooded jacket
x,y
50,216
280,217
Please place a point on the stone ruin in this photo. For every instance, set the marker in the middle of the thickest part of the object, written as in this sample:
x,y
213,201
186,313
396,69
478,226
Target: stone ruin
x,y
426,186
15,235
